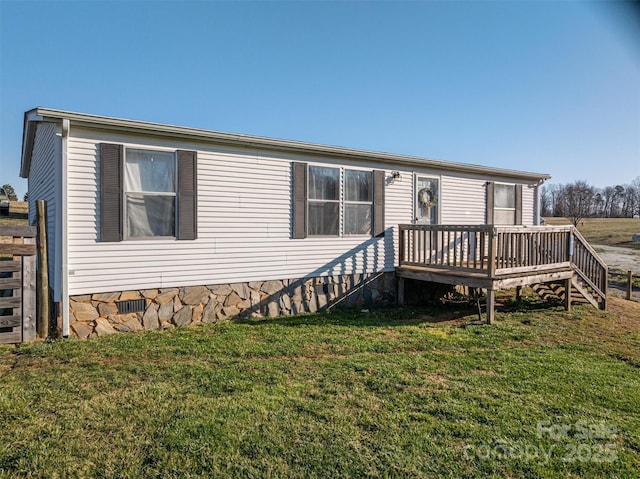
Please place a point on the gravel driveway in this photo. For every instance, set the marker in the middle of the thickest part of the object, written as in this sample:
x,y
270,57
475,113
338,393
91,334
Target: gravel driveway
x,y
617,258
623,260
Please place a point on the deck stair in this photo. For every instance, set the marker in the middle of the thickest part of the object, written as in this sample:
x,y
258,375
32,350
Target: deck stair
x,y
580,292
554,260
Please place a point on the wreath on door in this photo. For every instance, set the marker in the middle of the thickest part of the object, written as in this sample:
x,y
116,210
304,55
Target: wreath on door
x,y
427,198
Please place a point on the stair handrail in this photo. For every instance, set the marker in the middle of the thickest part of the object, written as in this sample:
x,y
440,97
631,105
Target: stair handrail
x,y
601,290
588,247
587,280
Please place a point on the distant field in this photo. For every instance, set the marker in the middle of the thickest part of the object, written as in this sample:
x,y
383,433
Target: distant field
x,y
606,231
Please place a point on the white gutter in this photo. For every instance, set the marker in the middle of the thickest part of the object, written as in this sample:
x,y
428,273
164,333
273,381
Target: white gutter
x,y
64,231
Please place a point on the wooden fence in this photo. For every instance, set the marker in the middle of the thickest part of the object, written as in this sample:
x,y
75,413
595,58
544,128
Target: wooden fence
x,y
17,284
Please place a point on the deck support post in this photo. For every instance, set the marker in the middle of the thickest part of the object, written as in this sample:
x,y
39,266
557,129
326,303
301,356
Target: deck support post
x,y
491,303
567,294
401,291
518,293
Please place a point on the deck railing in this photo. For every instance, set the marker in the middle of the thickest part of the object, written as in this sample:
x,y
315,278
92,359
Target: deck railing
x,y
505,253
588,265
501,250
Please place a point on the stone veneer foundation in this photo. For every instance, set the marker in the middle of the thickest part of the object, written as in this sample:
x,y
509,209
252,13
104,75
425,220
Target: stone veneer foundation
x,y
97,314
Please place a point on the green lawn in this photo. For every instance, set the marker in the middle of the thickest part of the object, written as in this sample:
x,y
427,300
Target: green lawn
x,y
389,393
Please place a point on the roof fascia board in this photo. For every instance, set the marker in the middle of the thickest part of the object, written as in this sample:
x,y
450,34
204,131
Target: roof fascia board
x,y
28,136
159,129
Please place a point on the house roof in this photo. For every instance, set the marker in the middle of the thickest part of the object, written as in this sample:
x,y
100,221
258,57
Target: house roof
x,y
39,114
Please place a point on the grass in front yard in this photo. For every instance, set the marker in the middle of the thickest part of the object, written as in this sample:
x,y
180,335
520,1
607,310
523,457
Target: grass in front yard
x,y
606,231
391,393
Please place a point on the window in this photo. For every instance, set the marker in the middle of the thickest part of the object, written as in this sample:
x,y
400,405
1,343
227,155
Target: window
x,y
147,193
332,201
357,202
327,199
150,193
324,201
504,205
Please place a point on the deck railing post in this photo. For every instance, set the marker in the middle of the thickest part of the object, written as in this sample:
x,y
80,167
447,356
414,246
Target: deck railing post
x,y
493,251
400,245
570,247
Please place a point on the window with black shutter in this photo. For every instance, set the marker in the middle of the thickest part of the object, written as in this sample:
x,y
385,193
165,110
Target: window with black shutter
x,y
147,193
336,201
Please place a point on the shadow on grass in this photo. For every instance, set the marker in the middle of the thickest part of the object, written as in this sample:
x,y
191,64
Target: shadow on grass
x,y
528,303
450,314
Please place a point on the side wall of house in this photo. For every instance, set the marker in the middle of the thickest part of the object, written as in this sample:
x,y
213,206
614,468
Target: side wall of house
x,y
464,199
244,224
244,220
529,205
42,181
243,262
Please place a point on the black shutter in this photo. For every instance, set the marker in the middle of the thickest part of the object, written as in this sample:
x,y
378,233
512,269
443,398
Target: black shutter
x,y
518,204
299,177
378,202
187,195
111,192
490,188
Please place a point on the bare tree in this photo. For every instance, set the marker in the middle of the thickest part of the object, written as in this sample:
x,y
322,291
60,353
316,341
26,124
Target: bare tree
x,y
557,195
579,200
636,185
546,201
629,201
598,205
608,193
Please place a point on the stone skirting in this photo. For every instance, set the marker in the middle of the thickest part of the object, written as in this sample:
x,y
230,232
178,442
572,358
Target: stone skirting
x,y
97,314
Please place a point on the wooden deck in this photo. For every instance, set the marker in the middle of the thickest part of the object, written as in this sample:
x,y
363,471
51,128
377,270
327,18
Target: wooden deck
x,y
502,257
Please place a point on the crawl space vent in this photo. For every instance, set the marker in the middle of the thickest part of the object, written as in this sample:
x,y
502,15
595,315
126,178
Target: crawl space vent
x,y
130,306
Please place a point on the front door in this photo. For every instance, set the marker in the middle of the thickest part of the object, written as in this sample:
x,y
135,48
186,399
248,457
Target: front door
x,y
427,194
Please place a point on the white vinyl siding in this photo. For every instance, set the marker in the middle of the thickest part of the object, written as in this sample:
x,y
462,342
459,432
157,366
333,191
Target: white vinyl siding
x,y
244,220
463,200
42,181
244,226
528,205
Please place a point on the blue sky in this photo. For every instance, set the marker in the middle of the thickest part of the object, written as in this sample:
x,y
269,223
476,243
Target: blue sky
x,y
550,87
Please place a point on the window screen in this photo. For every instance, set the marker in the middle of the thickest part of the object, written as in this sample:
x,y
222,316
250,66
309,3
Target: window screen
x,y
358,202
150,193
324,201
504,205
